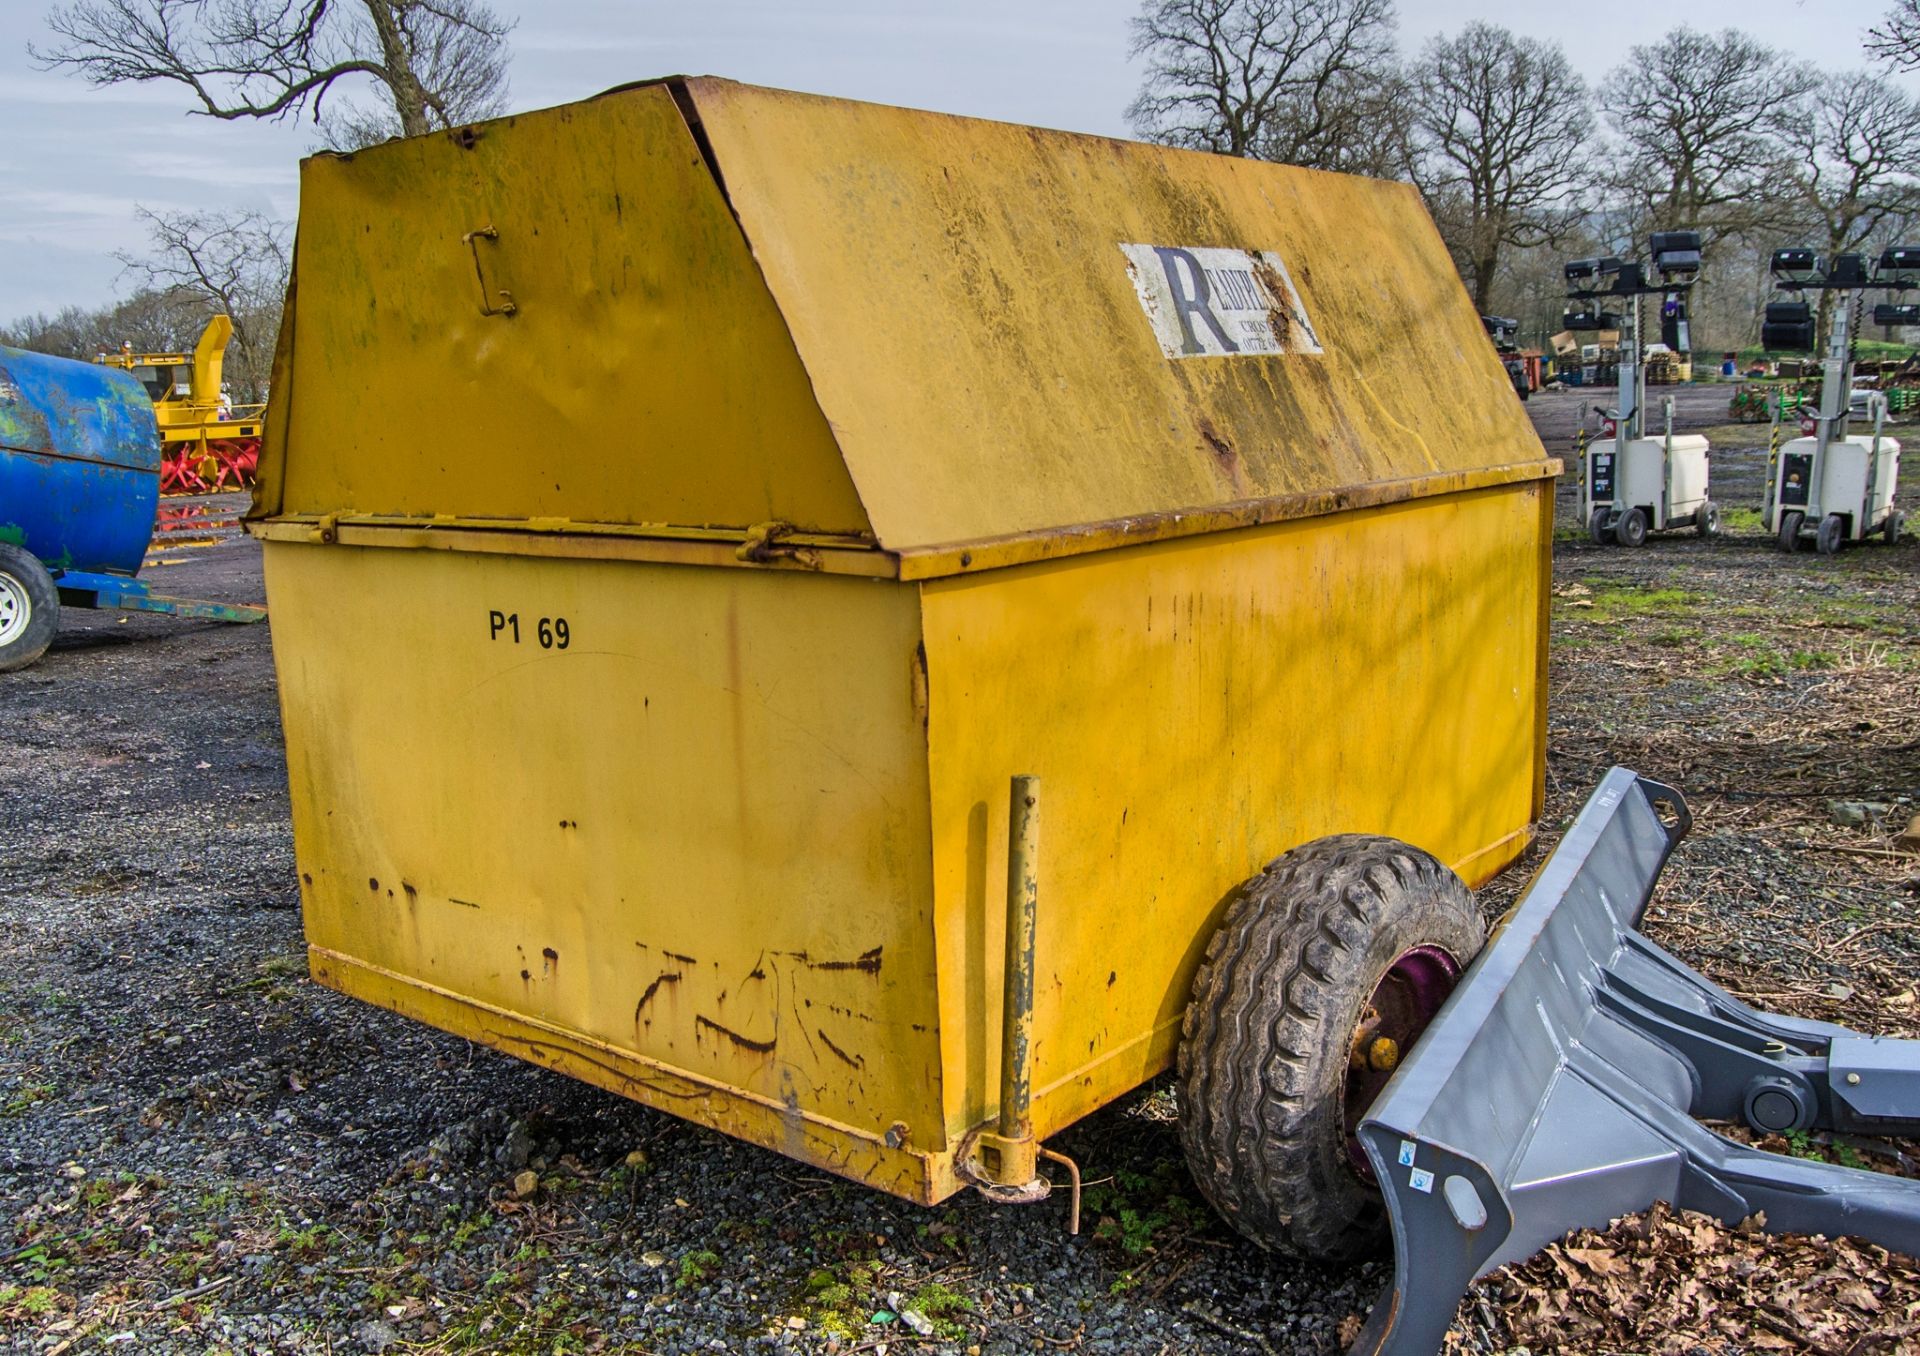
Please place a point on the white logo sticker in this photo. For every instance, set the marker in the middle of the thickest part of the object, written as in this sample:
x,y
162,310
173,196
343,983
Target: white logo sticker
x,y
1212,303
1406,1153
1421,1180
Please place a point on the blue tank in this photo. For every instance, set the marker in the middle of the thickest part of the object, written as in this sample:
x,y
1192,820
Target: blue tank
x,y
79,464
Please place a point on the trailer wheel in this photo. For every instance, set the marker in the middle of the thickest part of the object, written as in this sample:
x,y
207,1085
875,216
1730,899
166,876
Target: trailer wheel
x,y
1706,519
1789,534
1326,965
1892,525
1597,527
1631,530
29,608
1833,531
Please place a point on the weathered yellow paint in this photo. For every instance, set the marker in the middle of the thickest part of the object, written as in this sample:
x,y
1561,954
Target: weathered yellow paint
x,y
958,294
842,443
696,836
644,376
1228,697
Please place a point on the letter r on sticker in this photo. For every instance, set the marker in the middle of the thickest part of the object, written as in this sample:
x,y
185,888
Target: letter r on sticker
x,y
1187,284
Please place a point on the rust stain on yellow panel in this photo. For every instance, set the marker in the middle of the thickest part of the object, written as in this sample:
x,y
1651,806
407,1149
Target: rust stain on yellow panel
x,y
1226,698
958,291
694,833
644,375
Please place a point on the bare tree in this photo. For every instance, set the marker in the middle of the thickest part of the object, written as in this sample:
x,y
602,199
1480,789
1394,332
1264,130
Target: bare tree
x,y
1499,127
151,321
1855,166
233,262
1700,121
1307,82
435,63
1897,40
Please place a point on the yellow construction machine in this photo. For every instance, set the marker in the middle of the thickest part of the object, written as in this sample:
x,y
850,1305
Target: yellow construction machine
x,y
207,443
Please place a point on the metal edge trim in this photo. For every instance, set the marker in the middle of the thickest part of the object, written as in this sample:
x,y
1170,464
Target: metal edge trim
x,y
1021,548
584,541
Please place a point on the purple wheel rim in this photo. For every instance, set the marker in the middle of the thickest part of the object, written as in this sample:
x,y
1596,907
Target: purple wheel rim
x,y
1403,1002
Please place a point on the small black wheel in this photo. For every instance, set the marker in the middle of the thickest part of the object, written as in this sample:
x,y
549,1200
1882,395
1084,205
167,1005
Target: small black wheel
x,y
1597,526
1327,965
29,608
1706,519
1788,537
1892,524
1833,531
1631,530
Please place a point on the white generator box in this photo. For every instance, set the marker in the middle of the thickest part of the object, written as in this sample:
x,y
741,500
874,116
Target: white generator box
x,y
1682,465
1843,483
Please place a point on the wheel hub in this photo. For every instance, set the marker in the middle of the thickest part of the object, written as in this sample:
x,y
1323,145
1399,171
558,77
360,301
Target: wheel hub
x,y
1404,1001
16,609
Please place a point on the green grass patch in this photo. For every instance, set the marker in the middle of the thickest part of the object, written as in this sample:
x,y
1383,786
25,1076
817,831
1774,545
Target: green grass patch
x,y
840,1299
1604,603
940,1307
696,1266
1761,657
1137,1210
24,1099
1800,1145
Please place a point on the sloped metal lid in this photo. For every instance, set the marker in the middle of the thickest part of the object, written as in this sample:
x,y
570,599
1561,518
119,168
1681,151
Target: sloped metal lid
x,y
1014,331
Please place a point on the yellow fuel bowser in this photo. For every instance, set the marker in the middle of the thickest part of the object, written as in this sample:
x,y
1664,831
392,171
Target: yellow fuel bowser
x,y
797,493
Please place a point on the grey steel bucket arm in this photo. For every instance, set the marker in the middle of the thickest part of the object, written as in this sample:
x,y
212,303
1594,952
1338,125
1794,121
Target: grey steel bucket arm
x,y
1559,1086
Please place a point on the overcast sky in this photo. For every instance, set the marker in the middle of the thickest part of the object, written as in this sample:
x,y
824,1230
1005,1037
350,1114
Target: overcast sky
x,y
76,161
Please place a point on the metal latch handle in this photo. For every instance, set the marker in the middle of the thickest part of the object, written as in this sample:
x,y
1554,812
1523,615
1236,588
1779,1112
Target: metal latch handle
x,y
472,240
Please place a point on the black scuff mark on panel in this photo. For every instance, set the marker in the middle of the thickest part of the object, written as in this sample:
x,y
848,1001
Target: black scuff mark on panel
x,y
646,994
868,962
852,1061
744,1042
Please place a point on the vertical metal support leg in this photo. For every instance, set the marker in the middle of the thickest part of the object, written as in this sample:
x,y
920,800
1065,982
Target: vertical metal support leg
x,y
1016,1031
1004,1161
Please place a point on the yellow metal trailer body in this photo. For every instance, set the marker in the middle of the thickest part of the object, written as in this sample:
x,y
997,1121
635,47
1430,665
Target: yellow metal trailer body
x,y
790,473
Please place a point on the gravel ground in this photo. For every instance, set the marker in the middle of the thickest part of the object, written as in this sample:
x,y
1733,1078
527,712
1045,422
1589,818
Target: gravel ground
x,y
201,1150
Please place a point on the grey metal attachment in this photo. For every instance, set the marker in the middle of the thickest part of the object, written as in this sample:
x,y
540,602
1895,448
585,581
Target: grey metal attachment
x,y
1564,1082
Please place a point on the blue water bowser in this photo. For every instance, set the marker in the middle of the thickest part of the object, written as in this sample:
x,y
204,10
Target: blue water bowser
x,y
79,490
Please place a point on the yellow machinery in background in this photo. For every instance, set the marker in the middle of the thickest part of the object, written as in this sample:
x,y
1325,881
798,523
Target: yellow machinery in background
x,y
207,443
861,593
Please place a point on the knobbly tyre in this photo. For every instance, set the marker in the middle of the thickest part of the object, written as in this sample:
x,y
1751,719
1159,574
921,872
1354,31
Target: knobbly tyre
x,y
79,487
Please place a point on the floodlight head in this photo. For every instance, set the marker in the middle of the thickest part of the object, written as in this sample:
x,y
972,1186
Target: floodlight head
x,y
1847,270
1579,270
1898,262
1608,263
1584,319
1796,265
1887,314
1788,327
1628,277
1675,254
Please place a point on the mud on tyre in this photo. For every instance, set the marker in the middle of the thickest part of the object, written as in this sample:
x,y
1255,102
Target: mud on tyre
x,y
1325,966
